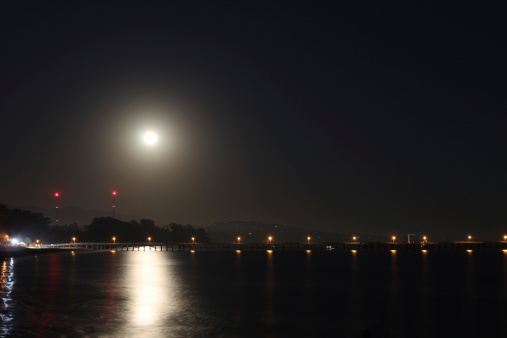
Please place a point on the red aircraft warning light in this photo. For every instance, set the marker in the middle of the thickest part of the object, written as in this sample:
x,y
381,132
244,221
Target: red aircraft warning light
x,y
57,194
114,192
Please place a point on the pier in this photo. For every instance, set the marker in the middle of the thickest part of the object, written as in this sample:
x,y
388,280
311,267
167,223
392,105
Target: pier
x,y
334,246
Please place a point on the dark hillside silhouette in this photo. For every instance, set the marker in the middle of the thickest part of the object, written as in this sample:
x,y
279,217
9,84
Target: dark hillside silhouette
x,y
28,227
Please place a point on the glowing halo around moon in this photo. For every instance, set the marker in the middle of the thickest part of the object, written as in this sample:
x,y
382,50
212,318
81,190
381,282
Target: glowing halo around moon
x,y
150,138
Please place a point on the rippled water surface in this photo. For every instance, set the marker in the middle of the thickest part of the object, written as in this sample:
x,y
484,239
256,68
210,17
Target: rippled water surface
x,y
254,294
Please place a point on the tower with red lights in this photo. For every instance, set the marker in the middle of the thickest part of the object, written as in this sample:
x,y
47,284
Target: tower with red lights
x,y
57,206
114,193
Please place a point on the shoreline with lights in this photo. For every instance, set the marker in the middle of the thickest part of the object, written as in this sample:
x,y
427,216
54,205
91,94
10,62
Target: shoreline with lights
x,y
17,250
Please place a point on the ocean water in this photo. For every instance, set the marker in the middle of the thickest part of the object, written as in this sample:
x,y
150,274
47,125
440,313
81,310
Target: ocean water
x,y
255,294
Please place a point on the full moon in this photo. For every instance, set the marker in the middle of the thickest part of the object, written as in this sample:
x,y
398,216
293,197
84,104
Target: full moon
x,y
150,138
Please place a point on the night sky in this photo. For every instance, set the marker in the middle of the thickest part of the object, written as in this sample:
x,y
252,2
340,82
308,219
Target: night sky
x,y
340,116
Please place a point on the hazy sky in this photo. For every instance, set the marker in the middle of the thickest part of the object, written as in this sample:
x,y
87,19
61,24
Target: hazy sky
x,y
344,115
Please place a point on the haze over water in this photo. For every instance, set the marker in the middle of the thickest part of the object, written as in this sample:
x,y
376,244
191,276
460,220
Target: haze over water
x,y
256,294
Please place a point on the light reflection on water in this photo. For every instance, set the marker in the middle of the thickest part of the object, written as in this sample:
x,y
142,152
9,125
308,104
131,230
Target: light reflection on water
x,y
268,294
6,284
269,312
152,295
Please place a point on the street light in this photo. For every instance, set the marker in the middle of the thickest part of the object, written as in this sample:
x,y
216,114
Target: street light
x,y
239,239
74,240
505,237
394,238
308,238
469,237
354,238
193,240
114,240
269,239
149,240
425,239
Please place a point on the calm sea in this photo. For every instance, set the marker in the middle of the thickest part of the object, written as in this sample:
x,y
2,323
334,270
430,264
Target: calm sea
x,y
255,294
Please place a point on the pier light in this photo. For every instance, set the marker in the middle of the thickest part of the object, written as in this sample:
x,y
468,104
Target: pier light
x,y
505,237
308,238
114,240
149,240
193,240
393,238
469,237
354,238
425,238
269,239
239,239
74,239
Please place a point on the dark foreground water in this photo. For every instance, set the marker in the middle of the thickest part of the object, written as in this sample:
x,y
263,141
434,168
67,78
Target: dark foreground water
x,y
255,294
